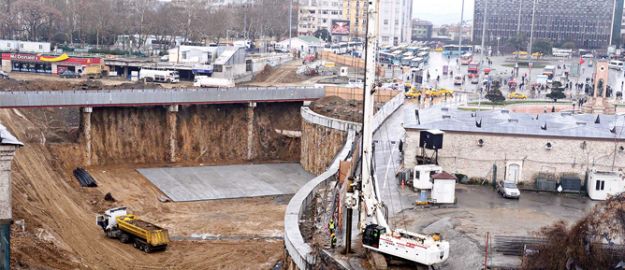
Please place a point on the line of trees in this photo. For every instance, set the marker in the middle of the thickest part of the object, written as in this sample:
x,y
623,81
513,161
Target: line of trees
x,y
99,22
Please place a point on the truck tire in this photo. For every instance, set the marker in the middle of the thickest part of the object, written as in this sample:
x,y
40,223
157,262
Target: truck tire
x,y
124,238
147,248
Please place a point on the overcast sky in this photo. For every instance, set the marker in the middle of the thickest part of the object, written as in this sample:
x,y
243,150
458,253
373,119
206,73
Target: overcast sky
x,y
442,11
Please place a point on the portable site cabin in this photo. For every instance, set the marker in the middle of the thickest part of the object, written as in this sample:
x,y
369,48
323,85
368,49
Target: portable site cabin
x,y
603,184
444,188
434,185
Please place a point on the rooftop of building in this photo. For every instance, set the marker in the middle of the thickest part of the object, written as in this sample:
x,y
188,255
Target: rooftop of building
x,y
504,122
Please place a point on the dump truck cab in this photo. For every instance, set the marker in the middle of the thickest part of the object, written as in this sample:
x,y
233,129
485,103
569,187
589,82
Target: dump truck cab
x,y
108,220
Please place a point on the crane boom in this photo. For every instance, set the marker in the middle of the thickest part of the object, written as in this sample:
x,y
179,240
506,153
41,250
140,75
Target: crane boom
x,y
377,235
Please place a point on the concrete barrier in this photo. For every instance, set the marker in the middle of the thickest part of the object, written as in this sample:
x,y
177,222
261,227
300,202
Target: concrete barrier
x,y
301,253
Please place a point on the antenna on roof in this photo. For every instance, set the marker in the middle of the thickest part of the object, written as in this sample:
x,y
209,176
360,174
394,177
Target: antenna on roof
x,y
613,129
478,124
544,127
598,121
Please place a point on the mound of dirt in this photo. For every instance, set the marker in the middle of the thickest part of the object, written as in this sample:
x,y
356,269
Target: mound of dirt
x,y
336,107
54,85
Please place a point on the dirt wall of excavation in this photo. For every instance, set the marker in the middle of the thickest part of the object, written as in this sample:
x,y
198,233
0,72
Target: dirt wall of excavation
x,y
203,133
319,146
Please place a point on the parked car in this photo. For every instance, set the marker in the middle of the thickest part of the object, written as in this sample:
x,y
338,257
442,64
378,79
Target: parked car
x,y
588,55
69,74
458,80
475,80
517,95
508,190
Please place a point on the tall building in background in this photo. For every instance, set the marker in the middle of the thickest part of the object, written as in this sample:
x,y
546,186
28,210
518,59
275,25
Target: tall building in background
x,y
316,15
394,22
355,11
421,30
589,23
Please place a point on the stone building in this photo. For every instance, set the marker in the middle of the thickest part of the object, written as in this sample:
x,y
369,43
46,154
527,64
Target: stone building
x,y
521,145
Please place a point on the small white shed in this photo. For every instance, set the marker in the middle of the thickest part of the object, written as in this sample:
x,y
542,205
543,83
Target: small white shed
x,y
603,184
444,189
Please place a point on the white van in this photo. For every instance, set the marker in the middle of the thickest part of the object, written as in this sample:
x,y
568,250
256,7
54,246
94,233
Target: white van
x,y
616,64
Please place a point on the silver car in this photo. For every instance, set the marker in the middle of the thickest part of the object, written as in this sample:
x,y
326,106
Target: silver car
x,y
508,190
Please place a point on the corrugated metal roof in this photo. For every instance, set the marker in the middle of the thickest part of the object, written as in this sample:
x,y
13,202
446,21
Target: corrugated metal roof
x,y
504,122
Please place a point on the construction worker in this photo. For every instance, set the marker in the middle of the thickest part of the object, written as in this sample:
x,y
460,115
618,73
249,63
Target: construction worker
x,y
331,226
333,240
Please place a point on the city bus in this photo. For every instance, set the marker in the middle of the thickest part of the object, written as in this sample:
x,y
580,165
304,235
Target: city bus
x,y
449,50
466,59
425,56
406,60
385,57
416,62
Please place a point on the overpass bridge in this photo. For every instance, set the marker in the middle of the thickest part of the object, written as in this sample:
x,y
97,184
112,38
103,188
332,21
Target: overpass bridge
x,y
148,97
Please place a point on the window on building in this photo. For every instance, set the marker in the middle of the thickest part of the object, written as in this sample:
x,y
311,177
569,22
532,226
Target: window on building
x,y
385,22
40,47
248,65
184,55
22,46
600,185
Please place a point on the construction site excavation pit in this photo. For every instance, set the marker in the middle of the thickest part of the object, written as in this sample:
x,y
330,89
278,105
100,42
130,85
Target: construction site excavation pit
x,y
187,184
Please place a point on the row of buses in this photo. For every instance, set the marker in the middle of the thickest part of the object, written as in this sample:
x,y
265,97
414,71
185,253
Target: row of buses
x,y
412,56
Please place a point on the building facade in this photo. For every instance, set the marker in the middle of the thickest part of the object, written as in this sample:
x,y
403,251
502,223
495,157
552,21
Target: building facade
x,y
421,30
589,24
394,22
44,64
355,11
316,15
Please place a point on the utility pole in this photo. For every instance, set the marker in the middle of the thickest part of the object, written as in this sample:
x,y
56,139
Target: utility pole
x,y
612,26
529,50
518,24
290,22
460,29
483,33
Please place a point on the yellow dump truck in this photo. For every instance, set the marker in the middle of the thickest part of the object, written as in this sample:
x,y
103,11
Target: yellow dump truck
x,y
117,223
93,71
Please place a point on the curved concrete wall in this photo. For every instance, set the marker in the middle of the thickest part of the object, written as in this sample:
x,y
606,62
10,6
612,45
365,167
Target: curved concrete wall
x,y
300,252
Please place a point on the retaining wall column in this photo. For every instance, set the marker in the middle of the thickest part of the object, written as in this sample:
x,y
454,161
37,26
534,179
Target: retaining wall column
x,y
172,112
6,216
86,133
250,130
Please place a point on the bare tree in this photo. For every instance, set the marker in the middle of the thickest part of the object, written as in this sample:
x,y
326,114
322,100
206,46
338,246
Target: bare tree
x,y
36,17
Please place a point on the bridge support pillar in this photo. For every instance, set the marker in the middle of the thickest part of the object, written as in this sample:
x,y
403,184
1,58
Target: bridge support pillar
x,y
86,132
250,130
7,152
172,112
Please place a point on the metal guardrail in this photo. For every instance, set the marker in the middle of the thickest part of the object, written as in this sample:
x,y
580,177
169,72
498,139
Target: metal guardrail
x,y
300,251
139,97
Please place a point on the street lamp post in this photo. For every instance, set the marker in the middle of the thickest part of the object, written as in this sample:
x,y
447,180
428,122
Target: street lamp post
x,y
529,50
460,29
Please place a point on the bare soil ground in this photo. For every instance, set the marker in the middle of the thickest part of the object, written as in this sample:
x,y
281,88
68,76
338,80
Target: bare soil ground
x,y
59,229
336,107
283,74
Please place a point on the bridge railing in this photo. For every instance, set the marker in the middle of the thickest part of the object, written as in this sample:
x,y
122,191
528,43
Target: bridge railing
x,y
134,97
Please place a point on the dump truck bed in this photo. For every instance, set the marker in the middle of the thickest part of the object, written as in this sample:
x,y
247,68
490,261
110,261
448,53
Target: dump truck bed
x,y
152,234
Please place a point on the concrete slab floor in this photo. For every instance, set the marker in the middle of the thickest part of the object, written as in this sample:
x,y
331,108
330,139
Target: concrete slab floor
x,y
184,184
